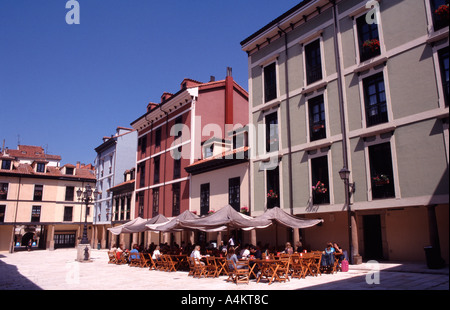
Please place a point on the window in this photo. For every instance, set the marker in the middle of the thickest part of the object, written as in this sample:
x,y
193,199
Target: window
x,y
381,174
155,202
204,199
35,214
69,171
68,211
319,180
209,151
141,204
270,82
443,64
179,121
368,39
70,190
38,190
3,191
273,188
141,171
272,132
176,168
375,100
6,164
440,20
313,62
234,189
158,137
316,118
175,199
156,169
40,167
143,144
2,213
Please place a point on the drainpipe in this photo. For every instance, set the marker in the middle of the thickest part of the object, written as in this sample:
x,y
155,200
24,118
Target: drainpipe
x,y
165,159
288,123
352,233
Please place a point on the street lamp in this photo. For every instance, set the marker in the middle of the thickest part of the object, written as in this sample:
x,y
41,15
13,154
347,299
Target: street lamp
x,y
344,173
86,197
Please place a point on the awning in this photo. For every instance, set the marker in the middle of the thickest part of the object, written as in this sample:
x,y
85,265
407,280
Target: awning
x,y
137,225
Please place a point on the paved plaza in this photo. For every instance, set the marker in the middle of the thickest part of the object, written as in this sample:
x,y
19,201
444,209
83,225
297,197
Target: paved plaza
x,y
58,270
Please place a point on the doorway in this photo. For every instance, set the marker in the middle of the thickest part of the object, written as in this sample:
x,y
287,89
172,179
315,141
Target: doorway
x,y
373,244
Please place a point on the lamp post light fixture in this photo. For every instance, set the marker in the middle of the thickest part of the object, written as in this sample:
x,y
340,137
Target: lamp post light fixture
x,y
344,173
86,197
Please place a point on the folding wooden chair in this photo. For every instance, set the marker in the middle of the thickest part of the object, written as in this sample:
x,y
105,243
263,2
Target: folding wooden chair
x,y
315,263
112,257
283,269
298,267
211,267
145,260
199,269
152,264
163,263
135,259
171,265
239,272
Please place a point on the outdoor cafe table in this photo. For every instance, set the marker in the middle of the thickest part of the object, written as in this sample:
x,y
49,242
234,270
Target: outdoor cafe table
x,y
268,268
180,261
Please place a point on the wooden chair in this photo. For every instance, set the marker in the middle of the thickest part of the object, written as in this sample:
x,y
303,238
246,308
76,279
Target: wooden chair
x,y
145,260
191,266
211,267
307,260
152,264
315,263
336,265
163,263
298,267
199,268
122,258
112,257
239,272
171,265
135,259
283,269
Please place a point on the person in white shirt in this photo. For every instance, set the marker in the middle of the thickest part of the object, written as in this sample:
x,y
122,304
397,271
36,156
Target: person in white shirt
x,y
156,253
245,252
196,254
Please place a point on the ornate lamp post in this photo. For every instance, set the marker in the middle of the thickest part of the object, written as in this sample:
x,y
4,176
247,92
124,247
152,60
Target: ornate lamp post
x,y
344,173
86,197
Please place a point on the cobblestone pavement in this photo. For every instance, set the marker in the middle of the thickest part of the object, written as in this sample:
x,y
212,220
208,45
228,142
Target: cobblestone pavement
x,y
58,270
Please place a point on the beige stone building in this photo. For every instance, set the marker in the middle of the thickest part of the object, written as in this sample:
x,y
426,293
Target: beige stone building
x,y
38,200
361,85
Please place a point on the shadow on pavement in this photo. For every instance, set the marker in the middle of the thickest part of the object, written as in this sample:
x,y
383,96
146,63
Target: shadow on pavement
x,y
11,279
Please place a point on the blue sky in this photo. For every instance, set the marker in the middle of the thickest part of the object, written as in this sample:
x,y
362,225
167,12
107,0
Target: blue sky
x,y
64,86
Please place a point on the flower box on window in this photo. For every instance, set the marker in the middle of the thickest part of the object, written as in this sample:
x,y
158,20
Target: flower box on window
x,y
380,180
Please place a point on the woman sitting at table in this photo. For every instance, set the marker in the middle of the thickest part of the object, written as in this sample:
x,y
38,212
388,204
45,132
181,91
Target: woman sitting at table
x,y
231,255
196,254
338,250
288,248
328,256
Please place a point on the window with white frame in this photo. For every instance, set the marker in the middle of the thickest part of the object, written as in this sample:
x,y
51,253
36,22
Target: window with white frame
x,y
313,62
270,82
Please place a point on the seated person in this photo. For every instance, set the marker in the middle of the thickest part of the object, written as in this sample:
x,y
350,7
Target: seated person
x,y
328,256
231,255
156,253
134,253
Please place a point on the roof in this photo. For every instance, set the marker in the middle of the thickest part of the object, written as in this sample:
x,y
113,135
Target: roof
x,y
27,170
29,152
224,159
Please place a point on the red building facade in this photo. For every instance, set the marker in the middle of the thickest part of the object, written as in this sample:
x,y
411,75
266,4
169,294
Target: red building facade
x,y
170,138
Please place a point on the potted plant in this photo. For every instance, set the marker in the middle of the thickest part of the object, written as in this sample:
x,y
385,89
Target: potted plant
x,y
319,188
271,194
442,11
244,210
381,180
211,212
373,44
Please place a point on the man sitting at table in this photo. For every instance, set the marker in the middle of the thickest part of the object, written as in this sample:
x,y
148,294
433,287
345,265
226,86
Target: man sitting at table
x,y
134,253
328,256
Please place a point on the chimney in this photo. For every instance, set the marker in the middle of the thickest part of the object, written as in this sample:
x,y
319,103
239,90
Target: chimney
x,y
229,97
151,106
212,78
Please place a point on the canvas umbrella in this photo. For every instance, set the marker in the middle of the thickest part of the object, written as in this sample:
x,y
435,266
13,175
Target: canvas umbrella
x,y
172,224
138,225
